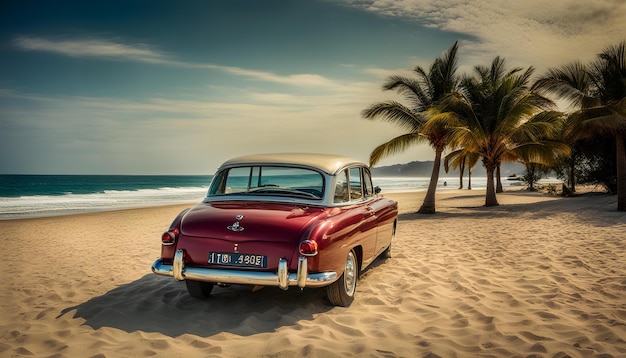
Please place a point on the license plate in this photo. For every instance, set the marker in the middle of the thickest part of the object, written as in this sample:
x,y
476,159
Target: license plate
x,y
236,259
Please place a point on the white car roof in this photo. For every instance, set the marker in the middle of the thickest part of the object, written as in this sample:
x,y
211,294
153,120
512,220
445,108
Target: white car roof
x,y
329,163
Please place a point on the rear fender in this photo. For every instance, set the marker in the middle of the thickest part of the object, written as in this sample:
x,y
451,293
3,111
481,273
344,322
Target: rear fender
x,y
334,244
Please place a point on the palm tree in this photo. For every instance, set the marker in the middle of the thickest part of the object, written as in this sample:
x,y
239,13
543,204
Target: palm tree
x,y
573,82
461,159
503,119
421,94
601,98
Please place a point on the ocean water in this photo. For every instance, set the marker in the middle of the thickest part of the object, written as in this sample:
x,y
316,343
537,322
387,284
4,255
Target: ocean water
x,y
26,196
23,196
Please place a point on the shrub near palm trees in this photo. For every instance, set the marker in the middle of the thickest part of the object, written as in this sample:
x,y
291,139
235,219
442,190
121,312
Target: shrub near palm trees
x,y
599,91
421,94
503,120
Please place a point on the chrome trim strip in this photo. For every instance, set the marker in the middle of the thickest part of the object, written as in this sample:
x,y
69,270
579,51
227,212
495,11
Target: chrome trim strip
x,y
180,272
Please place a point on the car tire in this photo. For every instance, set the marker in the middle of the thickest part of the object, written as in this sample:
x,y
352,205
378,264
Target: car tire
x,y
199,289
342,291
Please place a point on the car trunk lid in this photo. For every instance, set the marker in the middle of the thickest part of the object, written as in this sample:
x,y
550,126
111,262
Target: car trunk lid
x,y
248,221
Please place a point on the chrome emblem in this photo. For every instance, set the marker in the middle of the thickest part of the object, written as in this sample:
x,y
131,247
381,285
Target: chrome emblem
x,y
235,226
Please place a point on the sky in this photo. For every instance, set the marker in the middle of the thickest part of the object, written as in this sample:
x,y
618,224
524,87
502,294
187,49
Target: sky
x,y
178,87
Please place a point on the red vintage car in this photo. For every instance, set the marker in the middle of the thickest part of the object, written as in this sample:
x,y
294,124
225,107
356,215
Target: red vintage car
x,y
305,220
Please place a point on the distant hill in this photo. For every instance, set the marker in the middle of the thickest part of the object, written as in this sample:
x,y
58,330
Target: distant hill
x,y
424,169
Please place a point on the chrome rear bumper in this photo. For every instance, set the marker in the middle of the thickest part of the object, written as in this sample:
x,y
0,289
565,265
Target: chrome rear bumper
x,y
281,278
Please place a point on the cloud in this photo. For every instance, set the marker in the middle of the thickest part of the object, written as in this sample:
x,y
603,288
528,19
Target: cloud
x,y
106,49
303,80
531,32
384,73
91,48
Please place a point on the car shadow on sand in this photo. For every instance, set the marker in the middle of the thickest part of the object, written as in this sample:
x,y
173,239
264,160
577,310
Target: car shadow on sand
x,y
160,304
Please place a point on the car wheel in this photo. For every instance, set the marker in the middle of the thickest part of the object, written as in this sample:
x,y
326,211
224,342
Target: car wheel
x,y
341,292
199,289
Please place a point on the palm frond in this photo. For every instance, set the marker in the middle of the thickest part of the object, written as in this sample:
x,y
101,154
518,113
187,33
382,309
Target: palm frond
x,y
572,82
459,157
542,126
411,89
452,160
543,152
395,146
602,120
395,113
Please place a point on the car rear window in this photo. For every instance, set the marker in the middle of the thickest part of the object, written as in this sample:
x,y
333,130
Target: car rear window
x,y
269,180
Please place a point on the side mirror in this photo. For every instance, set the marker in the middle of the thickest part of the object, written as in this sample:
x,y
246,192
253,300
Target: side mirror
x,y
377,190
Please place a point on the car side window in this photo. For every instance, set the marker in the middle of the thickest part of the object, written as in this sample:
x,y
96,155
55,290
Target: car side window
x,y
341,188
356,190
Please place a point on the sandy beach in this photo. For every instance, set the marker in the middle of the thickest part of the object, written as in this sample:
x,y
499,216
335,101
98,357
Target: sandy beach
x,y
537,276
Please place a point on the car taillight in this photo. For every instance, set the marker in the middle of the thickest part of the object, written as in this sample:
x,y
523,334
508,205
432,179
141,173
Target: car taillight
x,y
169,237
308,248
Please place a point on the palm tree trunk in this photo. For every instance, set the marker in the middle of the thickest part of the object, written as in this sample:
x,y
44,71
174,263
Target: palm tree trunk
x,y
428,206
490,197
572,173
621,172
461,172
530,175
469,179
499,181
